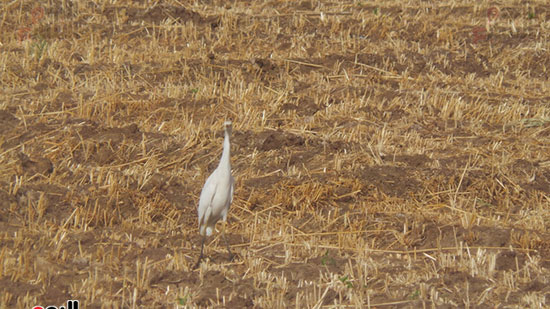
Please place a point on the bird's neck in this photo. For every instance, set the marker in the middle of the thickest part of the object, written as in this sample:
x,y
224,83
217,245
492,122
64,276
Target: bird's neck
x,y
225,160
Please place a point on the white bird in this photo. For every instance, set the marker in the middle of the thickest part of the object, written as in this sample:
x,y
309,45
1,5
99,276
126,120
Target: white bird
x,y
217,195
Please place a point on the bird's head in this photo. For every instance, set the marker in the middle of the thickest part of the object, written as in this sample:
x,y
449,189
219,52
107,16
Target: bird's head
x,y
228,126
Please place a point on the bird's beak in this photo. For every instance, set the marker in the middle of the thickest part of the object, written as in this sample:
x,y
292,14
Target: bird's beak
x,y
228,126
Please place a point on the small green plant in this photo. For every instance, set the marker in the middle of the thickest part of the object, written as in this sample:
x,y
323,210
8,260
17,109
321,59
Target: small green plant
x,y
38,47
531,15
414,295
345,280
194,90
534,122
182,300
376,11
483,203
327,259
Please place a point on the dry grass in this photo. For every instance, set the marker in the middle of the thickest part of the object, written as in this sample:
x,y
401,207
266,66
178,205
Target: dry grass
x,y
386,154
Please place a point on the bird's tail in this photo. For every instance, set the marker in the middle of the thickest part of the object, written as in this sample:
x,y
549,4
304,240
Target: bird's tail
x,y
205,230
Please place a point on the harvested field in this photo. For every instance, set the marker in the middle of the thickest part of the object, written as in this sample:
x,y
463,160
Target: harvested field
x,y
386,153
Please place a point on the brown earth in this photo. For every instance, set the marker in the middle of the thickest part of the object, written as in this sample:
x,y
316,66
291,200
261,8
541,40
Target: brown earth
x,y
386,155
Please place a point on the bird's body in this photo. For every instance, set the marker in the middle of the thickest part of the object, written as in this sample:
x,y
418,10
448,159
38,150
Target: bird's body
x,y
213,208
217,193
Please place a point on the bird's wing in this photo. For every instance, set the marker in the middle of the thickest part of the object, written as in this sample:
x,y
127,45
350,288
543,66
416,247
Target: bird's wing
x,y
232,185
207,195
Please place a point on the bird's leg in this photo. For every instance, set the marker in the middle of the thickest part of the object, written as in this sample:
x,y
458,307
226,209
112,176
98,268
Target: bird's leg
x,y
200,256
231,256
